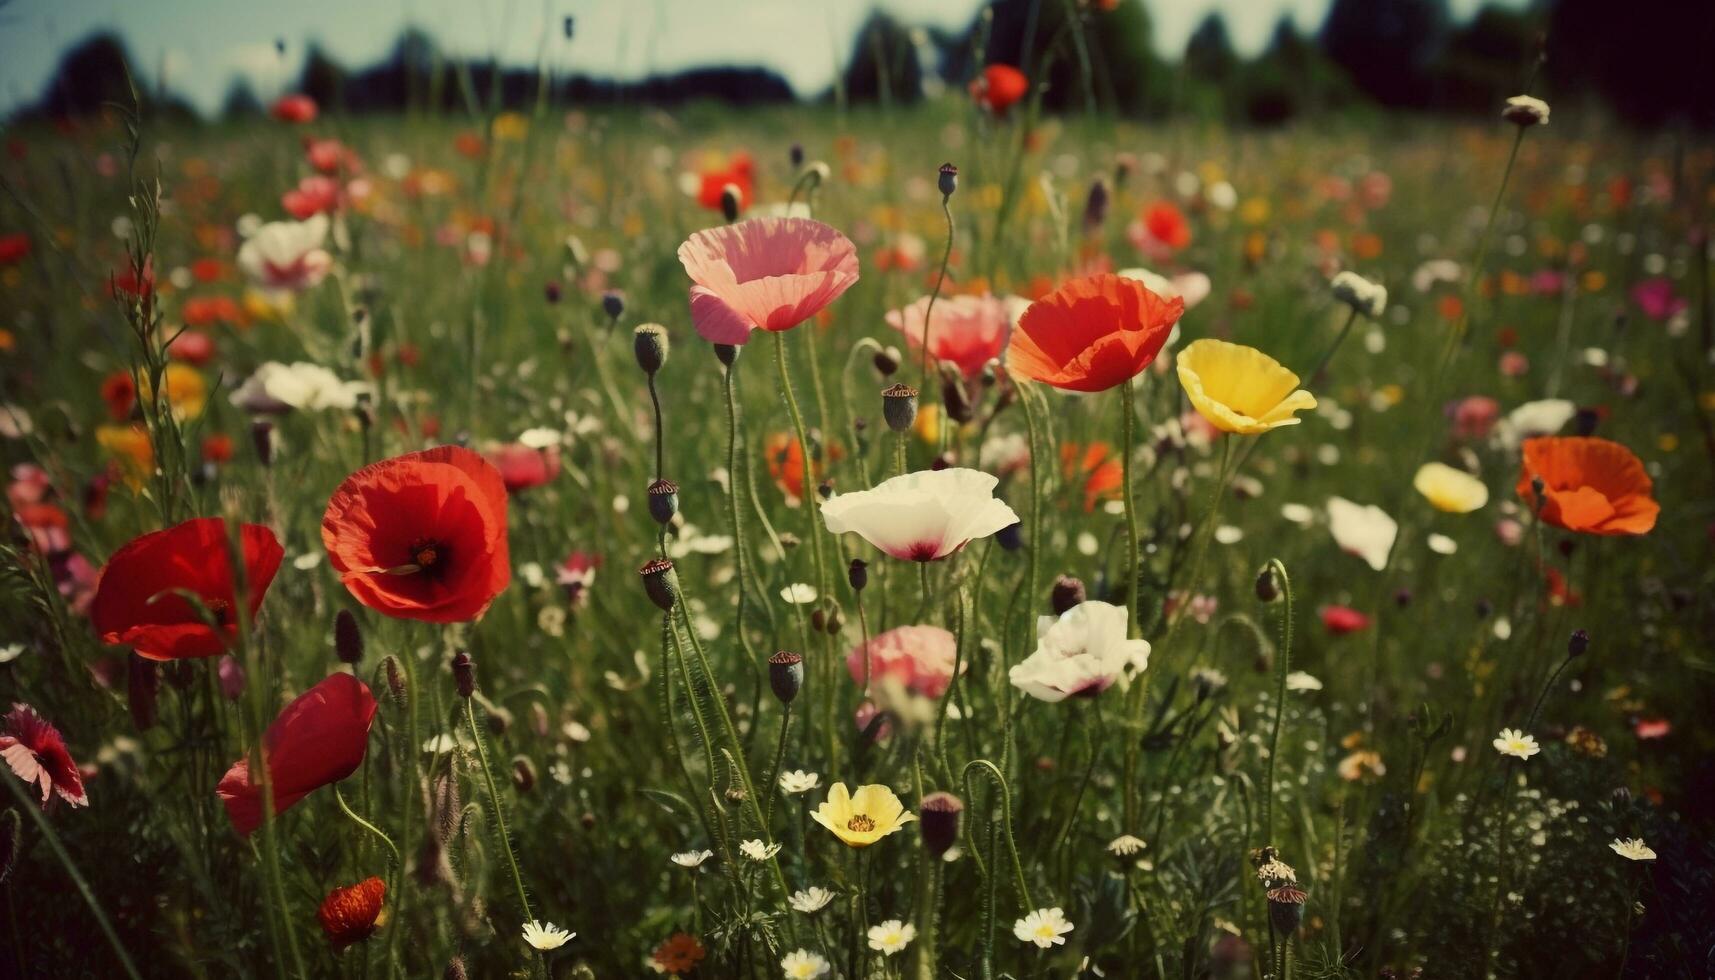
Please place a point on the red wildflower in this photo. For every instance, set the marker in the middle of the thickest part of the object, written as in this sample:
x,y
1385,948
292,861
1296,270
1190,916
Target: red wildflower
x,y
38,756
422,536
998,87
522,467
319,739
192,347
1096,465
217,448
119,391
1647,728
141,603
46,525
740,173
1166,225
348,915
1092,334
1340,620
680,953
311,197
295,108
1590,485
208,270
14,247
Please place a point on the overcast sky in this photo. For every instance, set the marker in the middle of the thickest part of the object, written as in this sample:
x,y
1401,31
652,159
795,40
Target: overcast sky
x,y
202,45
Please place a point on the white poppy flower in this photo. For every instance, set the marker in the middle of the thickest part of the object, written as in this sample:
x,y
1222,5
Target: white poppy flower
x,y
277,387
1363,530
1544,417
923,516
287,256
1192,287
1082,652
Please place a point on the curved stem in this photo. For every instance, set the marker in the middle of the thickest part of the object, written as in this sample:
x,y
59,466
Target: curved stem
x,y
499,814
994,774
1328,355
940,280
366,825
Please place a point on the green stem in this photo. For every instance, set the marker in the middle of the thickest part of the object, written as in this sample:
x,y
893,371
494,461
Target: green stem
x,y
1128,426
1282,665
779,761
940,280
1328,355
366,825
999,780
815,534
499,814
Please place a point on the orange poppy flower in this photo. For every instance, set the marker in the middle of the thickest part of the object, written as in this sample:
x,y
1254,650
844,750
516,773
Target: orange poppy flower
x,y
1096,464
1166,224
422,536
1092,333
785,460
1590,485
349,915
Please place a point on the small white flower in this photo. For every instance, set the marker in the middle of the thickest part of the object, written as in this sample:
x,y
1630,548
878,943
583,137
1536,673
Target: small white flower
x,y
1228,534
11,652
1441,544
802,964
1297,514
1298,680
307,561
1544,417
799,781
922,516
811,899
15,422
756,850
1633,849
540,437
1044,927
799,594
1363,530
1516,743
891,936
692,859
1084,651
1125,845
277,387
1525,110
545,935
1368,298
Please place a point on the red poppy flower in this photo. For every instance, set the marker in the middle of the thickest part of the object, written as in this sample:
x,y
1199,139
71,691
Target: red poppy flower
x,y
522,467
1590,485
741,173
999,86
1340,620
119,391
217,448
311,197
1166,225
192,347
319,739
330,156
14,247
348,915
38,756
139,601
422,536
295,108
208,270
1647,728
1093,333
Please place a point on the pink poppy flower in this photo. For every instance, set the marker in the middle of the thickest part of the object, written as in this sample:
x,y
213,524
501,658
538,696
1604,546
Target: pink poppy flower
x,y
38,755
919,657
1340,620
1656,298
313,196
764,274
1473,417
969,331
522,467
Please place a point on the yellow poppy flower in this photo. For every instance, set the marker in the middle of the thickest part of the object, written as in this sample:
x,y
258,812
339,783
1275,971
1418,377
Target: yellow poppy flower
x,y
130,445
863,818
1240,389
1450,490
187,392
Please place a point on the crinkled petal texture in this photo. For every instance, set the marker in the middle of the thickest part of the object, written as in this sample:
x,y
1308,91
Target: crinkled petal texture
x,y
422,536
1590,485
319,738
919,657
141,600
1451,490
1082,652
862,818
923,516
1240,389
764,273
1092,333
969,331
32,748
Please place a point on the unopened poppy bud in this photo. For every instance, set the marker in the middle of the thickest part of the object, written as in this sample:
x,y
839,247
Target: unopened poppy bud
x,y
231,674
11,834
1067,592
796,155
262,437
730,201
613,305
899,406
1537,487
825,489
1011,537
538,720
1096,206
836,621
1485,608
727,353
498,719
786,675
1402,598
523,774
788,540
663,501
587,820
887,361
857,574
395,679
819,620
1579,642
455,967
464,673
143,685
347,637
938,820
949,180
1586,421
649,343
1286,908
957,403
551,292
1267,589
660,583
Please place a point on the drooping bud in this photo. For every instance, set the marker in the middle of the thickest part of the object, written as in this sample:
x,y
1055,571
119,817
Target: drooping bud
x,y
956,401
857,574
142,687
1578,643
613,304
1068,592
731,198
938,819
899,407
948,181
661,584
796,155
464,673
887,361
497,718
523,774
649,343
347,637
663,501
786,675
395,680
1267,589
727,353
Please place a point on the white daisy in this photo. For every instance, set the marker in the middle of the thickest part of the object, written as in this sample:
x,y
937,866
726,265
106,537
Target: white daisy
x,y
891,936
801,964
1299,680
1632,849
1044,927
1516,743
692,859
811,899
799,781
1125,845
756,850
545,935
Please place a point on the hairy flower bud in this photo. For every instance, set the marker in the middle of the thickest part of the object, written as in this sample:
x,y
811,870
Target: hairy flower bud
x,y
1267,589
938,820
395,680
464,673
347,637
523,774
1010,537
1096,207
899,406
660,583
731,198
956,400
796,155
887,361
785,675
857,574
262,437
1067,592
663,501
727,353
649,343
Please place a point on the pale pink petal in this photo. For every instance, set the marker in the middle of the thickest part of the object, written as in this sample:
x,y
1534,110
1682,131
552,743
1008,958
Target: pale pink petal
x,y
716,322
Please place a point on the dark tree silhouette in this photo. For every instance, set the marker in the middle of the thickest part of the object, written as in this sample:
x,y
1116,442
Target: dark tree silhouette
x,y
1387,46
883,59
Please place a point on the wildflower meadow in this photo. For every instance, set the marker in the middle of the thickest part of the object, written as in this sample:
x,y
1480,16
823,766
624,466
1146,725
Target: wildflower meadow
x,y
948,539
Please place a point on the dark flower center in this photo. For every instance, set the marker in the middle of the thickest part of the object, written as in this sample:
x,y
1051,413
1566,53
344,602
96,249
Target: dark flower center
x,y
430,556
860,823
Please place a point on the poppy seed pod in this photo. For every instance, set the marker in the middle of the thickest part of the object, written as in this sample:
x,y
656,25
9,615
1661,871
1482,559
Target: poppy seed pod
x,y
613,305
663,501
1286,908
785,675
1067,592
464,673
731,197
949,180
727,353
347,637
1267,589
649,343
660,583
395,679
857,574
938,819
887,361
899,406
262,437
1578,643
